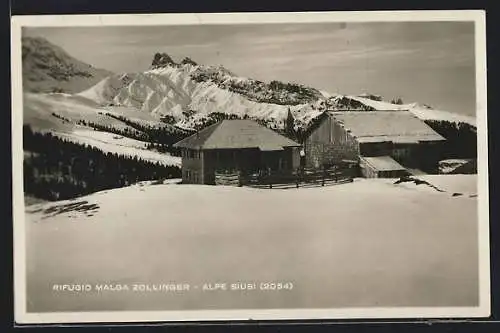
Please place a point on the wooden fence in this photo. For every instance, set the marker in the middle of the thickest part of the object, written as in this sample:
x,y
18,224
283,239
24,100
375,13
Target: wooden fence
x,y
286,179
227,178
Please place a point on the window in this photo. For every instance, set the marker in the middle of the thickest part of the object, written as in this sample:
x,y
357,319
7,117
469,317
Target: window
x,y
191,153
187,176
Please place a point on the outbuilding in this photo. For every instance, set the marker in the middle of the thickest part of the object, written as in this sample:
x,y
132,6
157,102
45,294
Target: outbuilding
x,y
384,143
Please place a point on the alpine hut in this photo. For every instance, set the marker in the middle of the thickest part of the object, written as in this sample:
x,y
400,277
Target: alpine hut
x,y
241,145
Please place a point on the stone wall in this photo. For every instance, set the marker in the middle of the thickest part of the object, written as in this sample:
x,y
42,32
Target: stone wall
x,y
330,143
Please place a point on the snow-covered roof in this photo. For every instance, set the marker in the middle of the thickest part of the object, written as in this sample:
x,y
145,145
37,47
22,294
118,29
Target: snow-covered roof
x,y
234,134
383,163
398,126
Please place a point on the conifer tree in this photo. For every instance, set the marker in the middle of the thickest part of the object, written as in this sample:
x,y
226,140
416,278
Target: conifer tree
x,y
290,125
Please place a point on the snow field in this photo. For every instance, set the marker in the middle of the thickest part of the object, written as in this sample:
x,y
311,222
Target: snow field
x,y
364,244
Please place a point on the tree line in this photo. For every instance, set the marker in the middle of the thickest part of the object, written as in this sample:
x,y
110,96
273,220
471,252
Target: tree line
x,y
159,139
167,135
126,131
461,138
215,117
57,169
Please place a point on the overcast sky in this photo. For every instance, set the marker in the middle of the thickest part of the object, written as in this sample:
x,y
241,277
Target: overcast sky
x,y
431,63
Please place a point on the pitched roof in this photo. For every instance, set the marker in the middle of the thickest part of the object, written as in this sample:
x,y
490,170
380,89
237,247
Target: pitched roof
x,y
383,163
399,126
240,133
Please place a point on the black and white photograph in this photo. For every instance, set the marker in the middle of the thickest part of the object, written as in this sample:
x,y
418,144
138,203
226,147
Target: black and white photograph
x,y
236,166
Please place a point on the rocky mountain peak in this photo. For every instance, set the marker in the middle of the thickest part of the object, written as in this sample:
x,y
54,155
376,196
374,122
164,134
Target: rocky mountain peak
x,y
162,60
188,60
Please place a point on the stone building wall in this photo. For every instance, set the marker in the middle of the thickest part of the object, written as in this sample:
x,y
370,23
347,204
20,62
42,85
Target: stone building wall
x,y
330,143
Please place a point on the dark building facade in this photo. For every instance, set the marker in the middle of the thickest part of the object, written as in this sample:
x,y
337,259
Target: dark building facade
x,y
397,139
241,146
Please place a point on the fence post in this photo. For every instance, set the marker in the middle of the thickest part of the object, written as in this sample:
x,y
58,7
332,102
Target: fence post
x,y
269,177
297,179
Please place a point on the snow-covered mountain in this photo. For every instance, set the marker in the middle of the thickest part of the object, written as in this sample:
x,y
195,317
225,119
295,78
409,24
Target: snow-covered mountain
x,y
48,68
179,97
187,93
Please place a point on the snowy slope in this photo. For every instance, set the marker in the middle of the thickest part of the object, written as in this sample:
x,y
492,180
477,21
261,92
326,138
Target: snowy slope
x,y
39,109
172,91
378,247
61,113
112,143
105,90
421,111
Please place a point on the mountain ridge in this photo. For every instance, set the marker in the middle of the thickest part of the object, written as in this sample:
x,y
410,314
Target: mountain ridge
x,y
172,98
189,93
49,68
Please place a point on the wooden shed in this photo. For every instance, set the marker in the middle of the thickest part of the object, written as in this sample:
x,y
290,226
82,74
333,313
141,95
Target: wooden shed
x,y
381,167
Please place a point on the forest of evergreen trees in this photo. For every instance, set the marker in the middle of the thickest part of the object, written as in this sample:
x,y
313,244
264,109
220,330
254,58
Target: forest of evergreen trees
x,y
215,117
461,138
159,138
126,132
155,134
55,169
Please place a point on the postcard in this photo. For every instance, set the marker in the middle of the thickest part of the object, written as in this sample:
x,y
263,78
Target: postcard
x,y
250,166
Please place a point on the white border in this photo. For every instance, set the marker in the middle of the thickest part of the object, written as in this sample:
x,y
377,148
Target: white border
x,y
21,315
